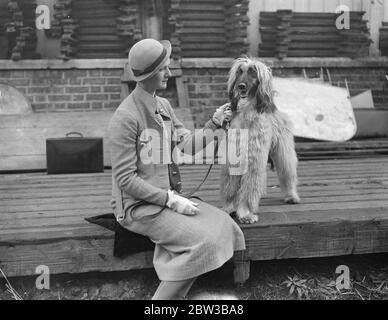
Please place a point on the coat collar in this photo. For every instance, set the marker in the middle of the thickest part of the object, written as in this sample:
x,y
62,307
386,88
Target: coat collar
x,y
150,104
147,100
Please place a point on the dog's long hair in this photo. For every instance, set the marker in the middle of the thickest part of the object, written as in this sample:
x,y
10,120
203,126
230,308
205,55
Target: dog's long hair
x,y
258,80
270,136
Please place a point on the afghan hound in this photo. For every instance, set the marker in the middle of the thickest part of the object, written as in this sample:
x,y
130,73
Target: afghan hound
x,y
269,136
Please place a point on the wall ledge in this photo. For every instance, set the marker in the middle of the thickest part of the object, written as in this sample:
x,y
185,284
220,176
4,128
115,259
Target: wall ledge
x,y
222,63
195,63
43,64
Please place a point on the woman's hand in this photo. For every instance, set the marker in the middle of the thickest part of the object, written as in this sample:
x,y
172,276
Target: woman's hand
x,y
223,113
181,205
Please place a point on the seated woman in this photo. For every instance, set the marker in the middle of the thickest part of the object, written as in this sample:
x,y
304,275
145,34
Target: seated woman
x,y
191,237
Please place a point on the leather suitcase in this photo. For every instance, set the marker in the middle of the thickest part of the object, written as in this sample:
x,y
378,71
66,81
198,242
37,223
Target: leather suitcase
x,y
74,154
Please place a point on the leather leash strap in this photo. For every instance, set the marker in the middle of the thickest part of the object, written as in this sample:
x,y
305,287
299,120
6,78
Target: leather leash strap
x,y
190,194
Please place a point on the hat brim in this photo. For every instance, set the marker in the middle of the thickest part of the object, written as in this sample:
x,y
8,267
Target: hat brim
x,y
167,45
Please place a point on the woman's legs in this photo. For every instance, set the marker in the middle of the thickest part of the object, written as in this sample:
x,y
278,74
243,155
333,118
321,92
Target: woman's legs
x,y
173,290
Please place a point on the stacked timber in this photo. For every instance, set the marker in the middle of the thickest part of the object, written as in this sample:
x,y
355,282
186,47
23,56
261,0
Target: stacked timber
x,y
112,29
203,28
236,24
65,27
384,39
293,34
356,40
129,24
96,29
174,28
5,18
20,30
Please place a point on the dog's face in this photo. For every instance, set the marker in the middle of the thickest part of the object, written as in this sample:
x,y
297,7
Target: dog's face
x,y
251,79
247,82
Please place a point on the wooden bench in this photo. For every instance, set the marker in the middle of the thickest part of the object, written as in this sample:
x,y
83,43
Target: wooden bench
x,y
344,207
344,211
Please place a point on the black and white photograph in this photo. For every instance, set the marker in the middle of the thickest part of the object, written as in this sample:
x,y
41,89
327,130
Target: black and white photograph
x,y
212,151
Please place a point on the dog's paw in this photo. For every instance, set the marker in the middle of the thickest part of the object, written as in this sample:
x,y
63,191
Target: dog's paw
x,y
294,199
245,216
250,219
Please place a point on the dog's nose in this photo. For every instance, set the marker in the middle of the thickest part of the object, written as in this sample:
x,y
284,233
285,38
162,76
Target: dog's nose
x,y
242,86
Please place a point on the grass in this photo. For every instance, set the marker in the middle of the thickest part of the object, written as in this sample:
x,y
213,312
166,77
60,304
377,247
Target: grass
x,y
307,279
10,289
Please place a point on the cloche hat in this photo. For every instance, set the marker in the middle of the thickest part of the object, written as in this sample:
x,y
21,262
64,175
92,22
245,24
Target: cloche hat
x,y
146,57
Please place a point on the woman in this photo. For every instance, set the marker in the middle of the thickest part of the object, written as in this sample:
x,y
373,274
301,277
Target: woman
x,y
191,238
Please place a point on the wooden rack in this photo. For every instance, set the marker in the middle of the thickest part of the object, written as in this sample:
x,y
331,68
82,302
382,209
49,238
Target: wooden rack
x,y
285,33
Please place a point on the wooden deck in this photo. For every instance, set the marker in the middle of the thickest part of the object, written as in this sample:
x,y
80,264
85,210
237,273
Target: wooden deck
x,y
344,210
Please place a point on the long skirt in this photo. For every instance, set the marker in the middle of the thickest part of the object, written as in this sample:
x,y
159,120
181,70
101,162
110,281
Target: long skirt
x,y
188,246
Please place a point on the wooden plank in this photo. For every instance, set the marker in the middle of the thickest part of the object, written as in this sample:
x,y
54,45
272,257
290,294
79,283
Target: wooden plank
x,y
199,30
323,240
353,220
274,205
97,30
98,37
74,256
101,46
203,54
201,16
97,23
202,46
196,7
42,204
102,189
104,55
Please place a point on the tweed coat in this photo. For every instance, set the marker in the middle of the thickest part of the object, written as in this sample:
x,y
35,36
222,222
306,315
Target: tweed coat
x,y
133,131
185,246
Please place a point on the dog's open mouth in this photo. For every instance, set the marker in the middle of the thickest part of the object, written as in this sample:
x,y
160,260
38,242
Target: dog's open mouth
x,y
242,94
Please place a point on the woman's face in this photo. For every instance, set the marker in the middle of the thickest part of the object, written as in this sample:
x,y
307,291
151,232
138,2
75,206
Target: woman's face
x,y
159,80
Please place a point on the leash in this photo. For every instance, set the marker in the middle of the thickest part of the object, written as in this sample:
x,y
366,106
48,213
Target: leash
x,y
190,194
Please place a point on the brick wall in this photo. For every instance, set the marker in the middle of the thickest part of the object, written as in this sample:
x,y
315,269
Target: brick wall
x,y
206,79
86,89
52,90
207,90
67,90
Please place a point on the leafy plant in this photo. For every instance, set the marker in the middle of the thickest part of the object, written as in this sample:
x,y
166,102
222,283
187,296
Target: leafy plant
x,y
298,287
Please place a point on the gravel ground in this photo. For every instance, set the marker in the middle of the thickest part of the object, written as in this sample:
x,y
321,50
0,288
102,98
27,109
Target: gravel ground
x,y
312,279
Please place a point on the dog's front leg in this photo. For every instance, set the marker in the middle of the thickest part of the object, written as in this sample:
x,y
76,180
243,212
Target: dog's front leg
x,y
254,181
229,188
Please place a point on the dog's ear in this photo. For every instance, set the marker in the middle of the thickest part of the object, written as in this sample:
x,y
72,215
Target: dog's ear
x,y
232,83
233,101
264,92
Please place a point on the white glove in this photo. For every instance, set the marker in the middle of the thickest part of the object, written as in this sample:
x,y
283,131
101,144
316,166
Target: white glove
x,y
223,113
181,204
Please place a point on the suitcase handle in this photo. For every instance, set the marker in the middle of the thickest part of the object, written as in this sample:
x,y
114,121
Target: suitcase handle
x,y
74,133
